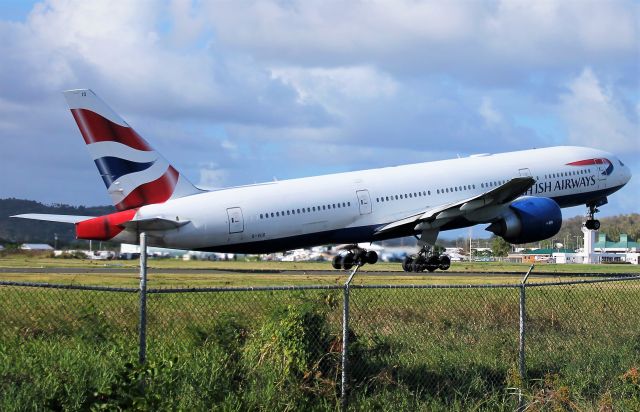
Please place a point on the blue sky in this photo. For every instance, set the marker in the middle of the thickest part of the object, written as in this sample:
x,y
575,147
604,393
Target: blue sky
x,y
241,92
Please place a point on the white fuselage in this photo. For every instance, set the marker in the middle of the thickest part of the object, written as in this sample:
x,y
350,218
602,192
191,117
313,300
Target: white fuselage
x,y
348,207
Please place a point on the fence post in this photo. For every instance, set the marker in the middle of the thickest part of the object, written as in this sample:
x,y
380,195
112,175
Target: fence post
x,y
142,354
344,395
521,353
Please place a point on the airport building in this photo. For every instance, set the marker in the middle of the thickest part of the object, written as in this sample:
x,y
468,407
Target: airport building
x,y
602,251
36,247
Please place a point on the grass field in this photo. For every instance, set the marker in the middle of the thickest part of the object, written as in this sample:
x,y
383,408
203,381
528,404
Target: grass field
x,y
34,261
411,349
241,273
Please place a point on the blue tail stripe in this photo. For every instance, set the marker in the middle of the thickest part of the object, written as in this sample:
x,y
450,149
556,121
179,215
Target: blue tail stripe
x,y
112,168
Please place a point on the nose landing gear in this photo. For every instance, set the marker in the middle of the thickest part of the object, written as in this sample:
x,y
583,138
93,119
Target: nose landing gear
x,y
591,223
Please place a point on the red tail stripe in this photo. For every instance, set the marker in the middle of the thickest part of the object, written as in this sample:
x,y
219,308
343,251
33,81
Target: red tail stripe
x,y
103,227
95,128
158,191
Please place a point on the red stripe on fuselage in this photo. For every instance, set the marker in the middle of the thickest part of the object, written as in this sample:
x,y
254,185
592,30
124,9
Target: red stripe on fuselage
x,y
158,191
103,227
95,128
587,162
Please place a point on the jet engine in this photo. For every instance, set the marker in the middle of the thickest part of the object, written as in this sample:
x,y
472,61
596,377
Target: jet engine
x,y
528,219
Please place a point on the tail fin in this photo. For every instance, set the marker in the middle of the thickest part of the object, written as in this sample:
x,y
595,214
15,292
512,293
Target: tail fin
x,y
133,172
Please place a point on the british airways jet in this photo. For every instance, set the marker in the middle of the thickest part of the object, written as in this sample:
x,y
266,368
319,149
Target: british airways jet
x,y
518,194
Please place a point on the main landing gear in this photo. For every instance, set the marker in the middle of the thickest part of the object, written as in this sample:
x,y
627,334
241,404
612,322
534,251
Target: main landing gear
x,y
591,223
426,259
354,257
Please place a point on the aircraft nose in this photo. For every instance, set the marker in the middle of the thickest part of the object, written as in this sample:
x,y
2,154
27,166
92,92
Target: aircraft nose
x,y
625,172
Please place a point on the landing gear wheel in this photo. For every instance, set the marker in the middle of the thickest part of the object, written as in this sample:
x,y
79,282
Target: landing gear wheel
x,y
432,263
592,224
371,257
444,262
407,264
418,264
353,255
347,261
337,262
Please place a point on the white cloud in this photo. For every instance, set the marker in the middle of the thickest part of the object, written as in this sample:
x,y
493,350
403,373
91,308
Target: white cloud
x,y
260,87
331,87
446,37
212,177
490,115
595,118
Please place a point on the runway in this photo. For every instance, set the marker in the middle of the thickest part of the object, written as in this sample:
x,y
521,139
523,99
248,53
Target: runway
x,y
314,272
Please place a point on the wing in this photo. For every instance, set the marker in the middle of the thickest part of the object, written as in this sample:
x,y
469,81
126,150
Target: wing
x,y
440,215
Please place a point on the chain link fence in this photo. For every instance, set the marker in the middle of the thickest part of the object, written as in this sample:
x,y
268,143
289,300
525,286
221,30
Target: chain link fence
x,y
357,347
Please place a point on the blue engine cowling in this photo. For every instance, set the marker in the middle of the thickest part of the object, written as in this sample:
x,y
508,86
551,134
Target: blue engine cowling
x,y
529,219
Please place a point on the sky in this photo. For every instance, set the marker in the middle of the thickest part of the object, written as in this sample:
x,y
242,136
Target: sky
x,y
238,92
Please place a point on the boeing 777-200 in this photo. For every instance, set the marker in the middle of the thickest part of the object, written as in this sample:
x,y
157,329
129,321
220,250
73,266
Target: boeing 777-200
x,y
518,194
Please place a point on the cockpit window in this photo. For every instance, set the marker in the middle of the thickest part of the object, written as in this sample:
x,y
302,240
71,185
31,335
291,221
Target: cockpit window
x,y
620,161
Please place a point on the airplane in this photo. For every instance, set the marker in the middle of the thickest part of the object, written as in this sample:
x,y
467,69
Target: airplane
x,y
518,194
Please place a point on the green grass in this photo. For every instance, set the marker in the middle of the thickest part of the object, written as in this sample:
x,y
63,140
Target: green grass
x,y
412,349
35,261
242,273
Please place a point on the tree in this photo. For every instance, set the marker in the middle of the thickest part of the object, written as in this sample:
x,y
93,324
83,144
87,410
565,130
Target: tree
x,y
500,247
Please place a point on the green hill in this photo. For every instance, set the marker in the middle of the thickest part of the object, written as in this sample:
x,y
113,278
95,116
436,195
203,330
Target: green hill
x,y
33,231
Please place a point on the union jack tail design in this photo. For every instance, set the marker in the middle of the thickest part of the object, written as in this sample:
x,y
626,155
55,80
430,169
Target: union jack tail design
x,y
133,172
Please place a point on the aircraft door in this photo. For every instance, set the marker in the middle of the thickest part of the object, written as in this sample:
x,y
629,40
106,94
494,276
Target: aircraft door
x,y
524,172
364,202
602,172
602,175
236,221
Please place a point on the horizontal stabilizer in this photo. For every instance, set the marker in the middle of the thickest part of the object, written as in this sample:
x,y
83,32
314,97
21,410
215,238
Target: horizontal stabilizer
x,y
154,223
54,218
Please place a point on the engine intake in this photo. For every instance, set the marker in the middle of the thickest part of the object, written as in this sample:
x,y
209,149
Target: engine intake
x,y
529,220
